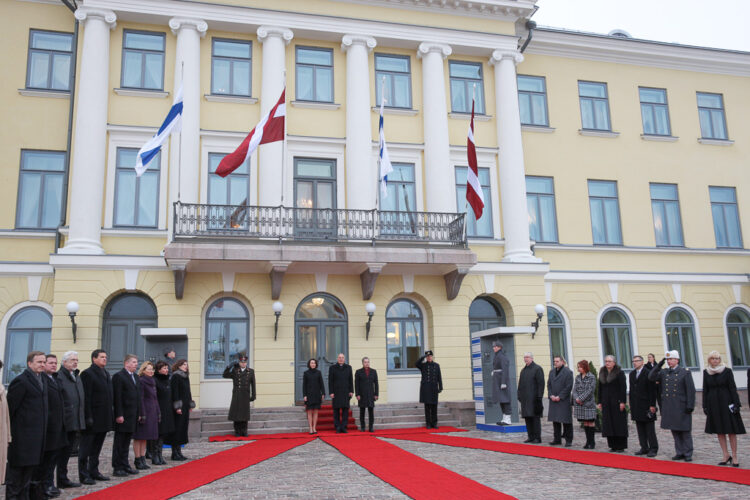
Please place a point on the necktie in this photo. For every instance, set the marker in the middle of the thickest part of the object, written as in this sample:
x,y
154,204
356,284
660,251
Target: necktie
x,y
132,377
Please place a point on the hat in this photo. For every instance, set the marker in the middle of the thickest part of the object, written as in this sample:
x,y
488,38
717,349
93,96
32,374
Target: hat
x,y
428,353
242,357
169,349
672,355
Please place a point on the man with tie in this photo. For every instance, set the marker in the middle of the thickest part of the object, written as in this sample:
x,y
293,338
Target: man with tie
x,y
677,403
55,439
75,416
643,407
125,392
97,390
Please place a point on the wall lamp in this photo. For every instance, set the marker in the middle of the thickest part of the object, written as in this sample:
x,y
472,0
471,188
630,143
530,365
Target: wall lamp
x,y
72,308
370,308
539,310
277,308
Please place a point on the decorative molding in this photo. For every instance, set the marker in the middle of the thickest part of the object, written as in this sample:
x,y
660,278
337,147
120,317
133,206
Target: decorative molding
x,y
736,289
329,106
131,233
677,292
15,233
131,278
34,284
501,10
440,48
500,54
645,277
395,111
511,268
154,94
613,293
467,116
230,98
130,129
715,142
179,270
453,282
548,292
321,281
264,32
367,279
227,280
163,332
537,128
599,133
659,138
408,280
367,42
57,94
489,283
26,269
278,270
109,262
178,23
85,13
667,250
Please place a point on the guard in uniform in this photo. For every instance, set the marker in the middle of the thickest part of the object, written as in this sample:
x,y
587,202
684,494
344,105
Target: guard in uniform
x,y
243,393
430,387
500,379
677,403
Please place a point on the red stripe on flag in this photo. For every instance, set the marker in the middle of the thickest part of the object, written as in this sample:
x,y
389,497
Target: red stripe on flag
x,y
472,196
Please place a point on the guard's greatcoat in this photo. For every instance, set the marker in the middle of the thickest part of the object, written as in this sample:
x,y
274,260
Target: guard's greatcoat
x,y
243,392
56,436
27,406
677,397
432,381
97,386
500,377
642,395
74,400
613,390
531,390
366,387
340,384
560,383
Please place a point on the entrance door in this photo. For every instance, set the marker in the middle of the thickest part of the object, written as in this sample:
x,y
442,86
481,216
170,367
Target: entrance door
x,y
492,413
123,319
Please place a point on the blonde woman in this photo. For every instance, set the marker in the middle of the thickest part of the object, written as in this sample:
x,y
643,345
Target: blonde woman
x,y
721,404
147,428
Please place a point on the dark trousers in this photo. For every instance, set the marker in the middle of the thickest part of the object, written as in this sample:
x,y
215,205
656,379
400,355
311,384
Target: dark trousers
x,y
240,428
120,449
533,427
46,470
371,411
89,448
683,443
505,408
18,481
567,432
647,435
64,456
340,418
430,415
617,442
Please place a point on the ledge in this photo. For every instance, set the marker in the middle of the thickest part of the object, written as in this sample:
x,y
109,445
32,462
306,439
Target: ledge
x,y
396,111
21,233
58,94
538,128
715,142
154,94
134,233
599,133
659,138
331,106
230,98
467,116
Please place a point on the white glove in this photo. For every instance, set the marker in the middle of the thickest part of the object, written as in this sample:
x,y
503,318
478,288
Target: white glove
x,y
503,386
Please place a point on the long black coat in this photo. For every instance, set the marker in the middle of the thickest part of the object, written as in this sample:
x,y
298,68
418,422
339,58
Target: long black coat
x,y
312,387
531,390
243,392
56,437
340,384
613,391
27,407
642,395
74,400
432,381
97,387
127,400
164,395
182,399
366,387
720,391
560,384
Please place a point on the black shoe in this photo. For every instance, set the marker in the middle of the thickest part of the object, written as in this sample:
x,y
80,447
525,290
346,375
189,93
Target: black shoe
x,y
568,444
362,429
99,477
176,456
51,492
140,463
85,480
371,430
537,441
344,430
640,452
727,461
131,470
119,473
651,454
529,441
688,459
678,457
64,482
554,443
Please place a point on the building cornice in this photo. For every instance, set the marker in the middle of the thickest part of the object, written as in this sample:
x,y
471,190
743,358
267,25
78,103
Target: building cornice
x,y
645,277
500,10
107,262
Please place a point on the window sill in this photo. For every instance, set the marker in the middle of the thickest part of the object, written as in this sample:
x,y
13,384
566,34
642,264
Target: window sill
x,y
467,116
58,94
659,138
28,233
230,98
538,128
715,142
134,232
396,111
331,106
155,94
599,133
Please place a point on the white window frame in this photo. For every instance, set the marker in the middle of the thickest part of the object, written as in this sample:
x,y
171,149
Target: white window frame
x,y
485,159
598,329
225,143
696,330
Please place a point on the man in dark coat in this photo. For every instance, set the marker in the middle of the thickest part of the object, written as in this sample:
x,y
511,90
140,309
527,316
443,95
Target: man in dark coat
x,y
27,408
243,393
500,381
97,388
559,387
74,418
127,401
530,393
643,407
366,388
677,403
429,388
612,396
56,439
341,387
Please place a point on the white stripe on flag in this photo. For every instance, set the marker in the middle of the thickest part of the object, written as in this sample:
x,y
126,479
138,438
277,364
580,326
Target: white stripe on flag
x,y
385,161
172,123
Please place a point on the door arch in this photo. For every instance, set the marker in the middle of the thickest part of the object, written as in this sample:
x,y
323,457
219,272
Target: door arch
x,y
124,317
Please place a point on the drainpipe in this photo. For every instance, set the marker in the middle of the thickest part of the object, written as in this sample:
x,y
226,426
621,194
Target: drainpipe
x,y
530,25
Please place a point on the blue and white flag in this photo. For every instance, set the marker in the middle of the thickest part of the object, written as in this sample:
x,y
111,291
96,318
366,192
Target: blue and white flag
x,y
385,162
172,123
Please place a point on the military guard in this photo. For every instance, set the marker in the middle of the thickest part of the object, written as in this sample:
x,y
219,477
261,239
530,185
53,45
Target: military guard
x,y
500,381
430,387
243,393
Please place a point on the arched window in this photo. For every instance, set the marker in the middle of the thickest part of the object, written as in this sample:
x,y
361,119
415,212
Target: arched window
x,y
738,329
485,313
30,329
404,333
680,330
616,338
556,327
227,334
124,317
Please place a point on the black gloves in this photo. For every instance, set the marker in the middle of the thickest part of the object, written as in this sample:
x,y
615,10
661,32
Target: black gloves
x,y
705,411
689,410
661,363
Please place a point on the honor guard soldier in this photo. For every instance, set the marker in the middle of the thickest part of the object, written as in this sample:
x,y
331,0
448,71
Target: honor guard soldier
x,y
243,393
430,387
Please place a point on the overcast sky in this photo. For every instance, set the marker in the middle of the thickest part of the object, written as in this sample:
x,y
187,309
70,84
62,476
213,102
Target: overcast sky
x,y
723,24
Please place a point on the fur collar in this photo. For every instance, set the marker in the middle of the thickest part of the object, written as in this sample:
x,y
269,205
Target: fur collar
x,y
714,371
180,373
606,377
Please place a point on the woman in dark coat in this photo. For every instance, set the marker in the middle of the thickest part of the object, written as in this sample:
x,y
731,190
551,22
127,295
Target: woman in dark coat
x,y
166,422
721,404
147,428
612,397
313,392
182,403
366,389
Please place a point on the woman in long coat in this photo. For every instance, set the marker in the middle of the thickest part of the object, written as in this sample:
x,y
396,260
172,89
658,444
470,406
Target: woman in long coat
x,y
147,427
182,402
166,422
313,392
612,398
584,405
719,395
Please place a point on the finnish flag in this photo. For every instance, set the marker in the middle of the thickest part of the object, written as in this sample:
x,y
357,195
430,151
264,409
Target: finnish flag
x,y
172,123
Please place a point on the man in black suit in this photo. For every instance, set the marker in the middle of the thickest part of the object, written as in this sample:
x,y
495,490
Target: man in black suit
x,y
341,387
75,415
366,388
97,388
27,407
126,399
56,438
643,407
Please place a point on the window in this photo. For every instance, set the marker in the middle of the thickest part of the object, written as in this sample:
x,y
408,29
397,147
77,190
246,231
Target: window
x,y
594,106
666,208
485,313
49,60
532,100
403,333
136,198
227,334
681,336
225,194
616,341
654,111
143,60
396,209
726,217
556,327
314,74
605,213
29,329
466,81
738,329
481,228
396,70
230,67
40,187
711,116
315,190
540,199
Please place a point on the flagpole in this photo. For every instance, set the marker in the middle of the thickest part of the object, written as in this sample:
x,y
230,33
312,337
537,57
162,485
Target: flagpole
x,y
283,145
179,147
377,170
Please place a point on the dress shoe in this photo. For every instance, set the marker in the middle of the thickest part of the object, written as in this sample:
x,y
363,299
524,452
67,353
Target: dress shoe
x,y
678,457
130,470
555,443
569,444
640,452
100,477
727,461
651,454
140,463
85,480
688,459
119,473
537,441
51,492
529,441
344,430
67,483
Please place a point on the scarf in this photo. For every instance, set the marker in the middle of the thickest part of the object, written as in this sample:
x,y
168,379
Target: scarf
x,y
714,371
606,377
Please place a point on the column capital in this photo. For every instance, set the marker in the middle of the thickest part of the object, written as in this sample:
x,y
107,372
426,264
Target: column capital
x,y
178,23
86,13
500,54
427,47
349,41
265,32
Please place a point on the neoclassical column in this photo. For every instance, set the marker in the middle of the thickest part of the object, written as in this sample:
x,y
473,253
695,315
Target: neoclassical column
x,y
273,78
510,158
439,184
361,182
90,140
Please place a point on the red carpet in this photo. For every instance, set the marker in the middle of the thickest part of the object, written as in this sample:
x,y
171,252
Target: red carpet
x,y
296,435
412,475
615,460
171,482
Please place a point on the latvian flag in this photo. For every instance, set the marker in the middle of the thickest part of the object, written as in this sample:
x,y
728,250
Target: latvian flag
x,y
473,188
270,128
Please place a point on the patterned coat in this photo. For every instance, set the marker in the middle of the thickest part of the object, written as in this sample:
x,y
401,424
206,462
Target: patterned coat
x,y
677,397
583,391
243,392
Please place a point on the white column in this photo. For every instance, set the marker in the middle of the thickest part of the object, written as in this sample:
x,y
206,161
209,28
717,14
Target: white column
x,y
439,180
90,140
510,158
361,180
273,79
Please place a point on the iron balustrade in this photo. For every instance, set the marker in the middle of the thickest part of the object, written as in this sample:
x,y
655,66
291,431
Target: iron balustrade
x,y
281,223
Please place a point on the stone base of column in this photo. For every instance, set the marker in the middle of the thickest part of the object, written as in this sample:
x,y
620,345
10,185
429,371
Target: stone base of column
x,y
526,257
82,247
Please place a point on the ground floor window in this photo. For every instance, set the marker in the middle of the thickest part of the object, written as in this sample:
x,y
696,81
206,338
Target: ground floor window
x,y
30,329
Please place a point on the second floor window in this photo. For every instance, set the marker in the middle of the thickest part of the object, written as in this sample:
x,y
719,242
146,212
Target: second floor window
x,y
532,100
466,81
481,228
711,115
143,60
654,111
594,106
666,208
605,213
314,74
540,198
726,217
40,189
230,67
136,198
234,189
49,60
397,73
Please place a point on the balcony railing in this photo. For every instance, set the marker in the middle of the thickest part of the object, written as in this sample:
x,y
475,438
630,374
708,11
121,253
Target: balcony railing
x,y
316,224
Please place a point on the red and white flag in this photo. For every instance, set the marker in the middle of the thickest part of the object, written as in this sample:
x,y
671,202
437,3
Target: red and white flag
x,y
473,188
270,128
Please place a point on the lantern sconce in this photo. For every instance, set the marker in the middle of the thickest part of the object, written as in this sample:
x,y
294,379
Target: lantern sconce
x,y
277,308
539,310
370,308
72,308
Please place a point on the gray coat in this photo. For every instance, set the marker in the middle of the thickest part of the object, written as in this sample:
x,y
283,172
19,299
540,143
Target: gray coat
x,y
500,377
677,397
73,396
531,390
560,384
583,391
